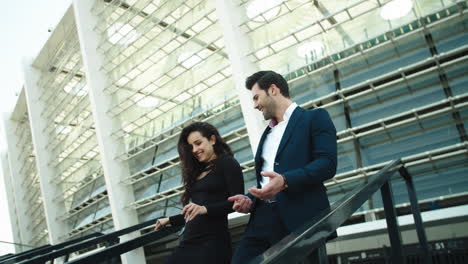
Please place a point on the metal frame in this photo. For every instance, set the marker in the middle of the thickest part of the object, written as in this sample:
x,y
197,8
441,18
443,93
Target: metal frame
x,y
165,195
37,222
409,161
384,81
174,161
97,222
33,253
63,66
204,83
417,215
65,249
295,35
417,115
312,236
343,98
368,45
118,249
128,14
314,233
437,154
174,131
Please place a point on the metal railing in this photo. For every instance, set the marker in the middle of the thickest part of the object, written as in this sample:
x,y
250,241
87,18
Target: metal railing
x,y
50,253
309,240
304,244
44,249
308,243
153,237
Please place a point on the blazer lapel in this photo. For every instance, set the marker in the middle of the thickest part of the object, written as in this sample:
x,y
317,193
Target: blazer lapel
x,y
293,120
258,155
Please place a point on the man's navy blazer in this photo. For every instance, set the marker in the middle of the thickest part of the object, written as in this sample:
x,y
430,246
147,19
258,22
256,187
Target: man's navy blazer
x,y
306,156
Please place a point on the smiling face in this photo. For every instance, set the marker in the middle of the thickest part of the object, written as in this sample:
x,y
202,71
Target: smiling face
x,y
263,102
202,147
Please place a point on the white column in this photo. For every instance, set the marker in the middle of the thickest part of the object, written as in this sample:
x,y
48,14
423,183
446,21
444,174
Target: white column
x,y
58,230
238,45
19,191
11,203
120,195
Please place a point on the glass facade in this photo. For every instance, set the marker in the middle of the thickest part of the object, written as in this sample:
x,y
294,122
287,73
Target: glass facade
x,y
392,75
70,126
36,221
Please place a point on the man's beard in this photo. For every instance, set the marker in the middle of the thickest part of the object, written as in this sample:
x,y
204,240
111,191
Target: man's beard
x,y
267,115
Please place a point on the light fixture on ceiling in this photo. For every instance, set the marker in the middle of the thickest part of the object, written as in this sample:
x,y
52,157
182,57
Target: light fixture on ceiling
x,y
311,50
76,88
146,101
396,9
123,34
60,129
189,59
257,7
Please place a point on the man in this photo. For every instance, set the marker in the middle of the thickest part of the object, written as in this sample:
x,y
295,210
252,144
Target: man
x,y
296,154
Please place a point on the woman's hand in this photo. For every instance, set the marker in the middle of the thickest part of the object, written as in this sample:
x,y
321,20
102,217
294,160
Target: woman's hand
x,y
161,223
191,210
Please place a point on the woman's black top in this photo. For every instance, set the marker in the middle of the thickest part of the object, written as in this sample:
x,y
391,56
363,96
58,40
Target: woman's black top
x,y
225,179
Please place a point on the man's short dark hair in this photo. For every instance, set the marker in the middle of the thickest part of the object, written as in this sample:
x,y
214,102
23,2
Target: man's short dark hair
x,y
265,79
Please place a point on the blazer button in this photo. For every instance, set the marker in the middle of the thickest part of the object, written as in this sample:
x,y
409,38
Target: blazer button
x,y
276,163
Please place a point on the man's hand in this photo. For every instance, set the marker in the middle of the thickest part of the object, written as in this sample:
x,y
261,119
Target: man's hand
x,y
191,210
242,203
273,187
160,223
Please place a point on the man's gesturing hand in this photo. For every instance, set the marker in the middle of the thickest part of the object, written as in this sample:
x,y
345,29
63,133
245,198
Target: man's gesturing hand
x,y
242,203
274,186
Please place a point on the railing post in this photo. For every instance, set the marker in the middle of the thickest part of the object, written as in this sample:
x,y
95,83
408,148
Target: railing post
x,y
392,223
416,215
322,254
318,256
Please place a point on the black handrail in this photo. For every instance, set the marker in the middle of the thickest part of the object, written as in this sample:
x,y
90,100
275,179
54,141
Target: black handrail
x,y
83,243
294,247
312,236
29,251
6,256
46,248
124,247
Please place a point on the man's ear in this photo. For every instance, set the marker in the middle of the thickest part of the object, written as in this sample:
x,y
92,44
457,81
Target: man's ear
x,y
273,89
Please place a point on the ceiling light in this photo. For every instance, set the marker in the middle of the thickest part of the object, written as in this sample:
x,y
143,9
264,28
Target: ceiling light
x,y
257,7
396,9
76,88
312,50
62,129
188,59
146,101
123,34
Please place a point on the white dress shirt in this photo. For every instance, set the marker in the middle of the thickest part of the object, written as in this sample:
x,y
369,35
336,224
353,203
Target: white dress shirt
x,y
272,141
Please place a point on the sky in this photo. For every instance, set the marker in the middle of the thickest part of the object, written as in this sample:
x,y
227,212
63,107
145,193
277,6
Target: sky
x,y
24,26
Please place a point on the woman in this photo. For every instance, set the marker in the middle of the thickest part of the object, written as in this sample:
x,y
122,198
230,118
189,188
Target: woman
x,y
210,175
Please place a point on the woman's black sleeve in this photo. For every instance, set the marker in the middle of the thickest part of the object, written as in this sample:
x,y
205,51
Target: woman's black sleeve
x,y
177,220
234,179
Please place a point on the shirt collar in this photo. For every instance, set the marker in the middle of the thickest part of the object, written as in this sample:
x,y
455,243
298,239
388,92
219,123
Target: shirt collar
x,y
287,114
